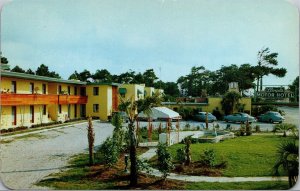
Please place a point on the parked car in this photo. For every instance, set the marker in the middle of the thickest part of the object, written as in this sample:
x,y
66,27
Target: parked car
x,y
123,115
239,117
201,116
271,117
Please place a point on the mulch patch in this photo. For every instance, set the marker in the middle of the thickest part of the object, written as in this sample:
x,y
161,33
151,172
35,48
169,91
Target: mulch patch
x,y
120,179
198,169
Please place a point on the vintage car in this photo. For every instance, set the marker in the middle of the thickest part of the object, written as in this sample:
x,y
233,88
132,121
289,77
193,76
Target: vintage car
x,y
271,117
201,116
239,117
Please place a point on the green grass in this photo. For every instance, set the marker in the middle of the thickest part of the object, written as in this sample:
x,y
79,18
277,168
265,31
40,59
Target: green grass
x,y
79,176
264,185
246,156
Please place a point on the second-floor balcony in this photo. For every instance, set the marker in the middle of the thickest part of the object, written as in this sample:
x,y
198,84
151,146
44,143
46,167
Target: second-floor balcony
x,y
40,99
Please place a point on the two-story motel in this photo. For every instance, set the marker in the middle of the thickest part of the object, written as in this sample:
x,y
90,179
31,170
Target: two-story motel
x,y
28,99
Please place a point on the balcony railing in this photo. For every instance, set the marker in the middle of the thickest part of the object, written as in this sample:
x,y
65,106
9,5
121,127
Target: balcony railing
x,y
41,99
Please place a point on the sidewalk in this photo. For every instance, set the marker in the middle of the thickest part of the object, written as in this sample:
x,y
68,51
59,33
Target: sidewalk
x,y
152,152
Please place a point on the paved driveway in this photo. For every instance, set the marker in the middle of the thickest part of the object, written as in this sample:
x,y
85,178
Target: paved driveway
x,y
28,159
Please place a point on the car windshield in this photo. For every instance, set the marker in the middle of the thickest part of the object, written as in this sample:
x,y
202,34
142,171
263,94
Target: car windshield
x,y
276,113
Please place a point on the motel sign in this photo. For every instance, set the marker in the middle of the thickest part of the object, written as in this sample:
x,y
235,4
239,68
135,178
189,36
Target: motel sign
x,y
275,92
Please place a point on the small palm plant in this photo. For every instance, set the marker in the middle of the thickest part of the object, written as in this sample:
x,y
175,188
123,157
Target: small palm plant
x,y
91,140
284,127
288,158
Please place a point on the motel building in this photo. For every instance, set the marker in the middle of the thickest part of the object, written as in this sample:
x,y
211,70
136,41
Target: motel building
x,y
28,100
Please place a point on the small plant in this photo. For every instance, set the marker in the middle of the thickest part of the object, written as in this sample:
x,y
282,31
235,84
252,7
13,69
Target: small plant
x,y
180,155
257,128
160,128
188,158
284,127
248,129
208,158
109,152
242,130
164,160
91,139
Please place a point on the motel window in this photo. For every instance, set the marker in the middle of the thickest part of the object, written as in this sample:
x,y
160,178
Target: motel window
x,y
44,109
59,108
59,89
75,90
31,114
95,108
31,88
14,115
96,91
13,87
69,90
44,89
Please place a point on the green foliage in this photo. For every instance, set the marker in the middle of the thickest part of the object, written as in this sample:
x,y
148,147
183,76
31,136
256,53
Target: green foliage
x,y
185,112
102,76
257,128
18,69
108,152
187,150
143,165
229,102
294,87
288,158
284,127
248,129
180,155
256,111
43,70
208,158
164,160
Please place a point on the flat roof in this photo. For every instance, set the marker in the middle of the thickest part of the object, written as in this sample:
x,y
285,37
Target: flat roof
x,y
103,83
41,78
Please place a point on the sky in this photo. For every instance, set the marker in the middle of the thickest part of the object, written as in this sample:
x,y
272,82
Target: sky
x,y
170,36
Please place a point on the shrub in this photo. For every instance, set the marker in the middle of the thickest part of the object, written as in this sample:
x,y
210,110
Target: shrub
x,y
164,160
180,155
208,158
257,128
217,113
109,152
188,158
248,129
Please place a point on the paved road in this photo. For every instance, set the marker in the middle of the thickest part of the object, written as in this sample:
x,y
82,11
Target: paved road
x,y
25,161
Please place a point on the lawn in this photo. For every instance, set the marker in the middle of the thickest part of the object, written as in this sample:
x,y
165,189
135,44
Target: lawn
x,y
246,155
81,176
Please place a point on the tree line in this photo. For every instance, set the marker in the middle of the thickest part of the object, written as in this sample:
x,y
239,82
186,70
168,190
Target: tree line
x,y
200,81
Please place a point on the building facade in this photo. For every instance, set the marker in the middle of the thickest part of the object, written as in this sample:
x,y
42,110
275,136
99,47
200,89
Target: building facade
x,y
102,100
27,99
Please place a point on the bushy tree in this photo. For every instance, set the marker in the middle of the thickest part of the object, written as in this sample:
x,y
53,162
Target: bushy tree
x,y
102,76
43,70
18,69
164,160
229,102
109,152
208,157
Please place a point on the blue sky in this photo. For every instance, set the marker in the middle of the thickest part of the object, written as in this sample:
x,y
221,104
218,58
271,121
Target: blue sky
x,y
174,35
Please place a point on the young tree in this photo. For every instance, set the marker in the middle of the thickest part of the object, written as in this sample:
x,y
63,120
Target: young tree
x,y
164,160
132,108
91,139
149,76
284,127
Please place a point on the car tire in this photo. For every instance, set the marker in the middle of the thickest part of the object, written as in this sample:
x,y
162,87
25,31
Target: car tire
x,y
271,121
